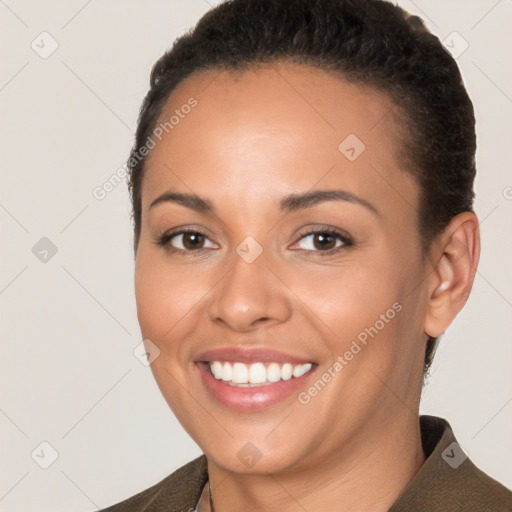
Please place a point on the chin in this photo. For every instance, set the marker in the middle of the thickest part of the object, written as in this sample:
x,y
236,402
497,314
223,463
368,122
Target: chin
x,y
249,459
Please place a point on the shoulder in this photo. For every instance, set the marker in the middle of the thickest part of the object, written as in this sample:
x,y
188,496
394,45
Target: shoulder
x,y
176,492
448,481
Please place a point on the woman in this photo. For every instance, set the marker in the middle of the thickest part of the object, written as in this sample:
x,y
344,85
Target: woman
x,y
302,187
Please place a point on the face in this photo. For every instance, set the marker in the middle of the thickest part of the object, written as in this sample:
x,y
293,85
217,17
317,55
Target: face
x,y
279,236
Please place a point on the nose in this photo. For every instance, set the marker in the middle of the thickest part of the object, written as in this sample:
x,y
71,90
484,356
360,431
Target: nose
x,y
249,296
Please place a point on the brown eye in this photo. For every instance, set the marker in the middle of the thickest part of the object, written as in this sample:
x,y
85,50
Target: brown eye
x,y
185,241
323,241
191,241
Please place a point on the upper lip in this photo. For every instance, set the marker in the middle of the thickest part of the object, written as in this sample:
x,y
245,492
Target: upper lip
x,y
249,355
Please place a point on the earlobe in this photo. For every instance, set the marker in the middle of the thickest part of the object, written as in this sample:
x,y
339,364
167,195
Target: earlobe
x,y
451,280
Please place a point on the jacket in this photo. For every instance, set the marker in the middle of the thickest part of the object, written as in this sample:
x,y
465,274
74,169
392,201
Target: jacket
x,y
447,482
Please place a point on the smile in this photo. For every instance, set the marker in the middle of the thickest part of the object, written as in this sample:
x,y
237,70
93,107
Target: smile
x,y
256,374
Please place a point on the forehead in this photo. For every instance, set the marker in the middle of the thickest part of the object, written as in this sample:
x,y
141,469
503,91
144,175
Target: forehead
x,y
273,129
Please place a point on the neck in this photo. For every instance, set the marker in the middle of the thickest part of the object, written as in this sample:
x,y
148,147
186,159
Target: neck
x,y
370,474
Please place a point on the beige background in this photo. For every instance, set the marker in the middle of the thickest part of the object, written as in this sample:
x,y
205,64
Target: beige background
x,y
68,375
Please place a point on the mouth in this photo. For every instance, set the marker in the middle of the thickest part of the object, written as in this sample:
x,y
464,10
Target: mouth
x,y
256,374
252,380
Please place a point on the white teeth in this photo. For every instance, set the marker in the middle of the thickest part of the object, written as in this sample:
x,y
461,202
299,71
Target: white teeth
x,y
240,374
217,369
273,372
301,369
256,373
286,371
227,372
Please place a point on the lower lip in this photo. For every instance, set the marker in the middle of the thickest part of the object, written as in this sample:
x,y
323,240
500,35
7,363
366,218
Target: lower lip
x,y
250,398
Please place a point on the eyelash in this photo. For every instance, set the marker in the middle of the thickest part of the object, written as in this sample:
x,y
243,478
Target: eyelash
x,y
343,237
346,240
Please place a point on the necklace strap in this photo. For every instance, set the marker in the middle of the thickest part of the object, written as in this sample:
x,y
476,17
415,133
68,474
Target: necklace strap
x,y
210,492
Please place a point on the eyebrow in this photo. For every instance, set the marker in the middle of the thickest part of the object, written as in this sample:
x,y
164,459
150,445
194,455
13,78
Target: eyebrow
x,y
289,203
293,202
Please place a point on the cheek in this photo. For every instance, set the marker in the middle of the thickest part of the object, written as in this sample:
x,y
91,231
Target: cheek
x,y
350,297
168,296
368,301
163,299
150,296
161,295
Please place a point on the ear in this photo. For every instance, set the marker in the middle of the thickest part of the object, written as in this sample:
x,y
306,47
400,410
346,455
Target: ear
x,y
456,254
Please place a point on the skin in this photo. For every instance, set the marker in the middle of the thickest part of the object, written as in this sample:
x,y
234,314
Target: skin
x,y
254,137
